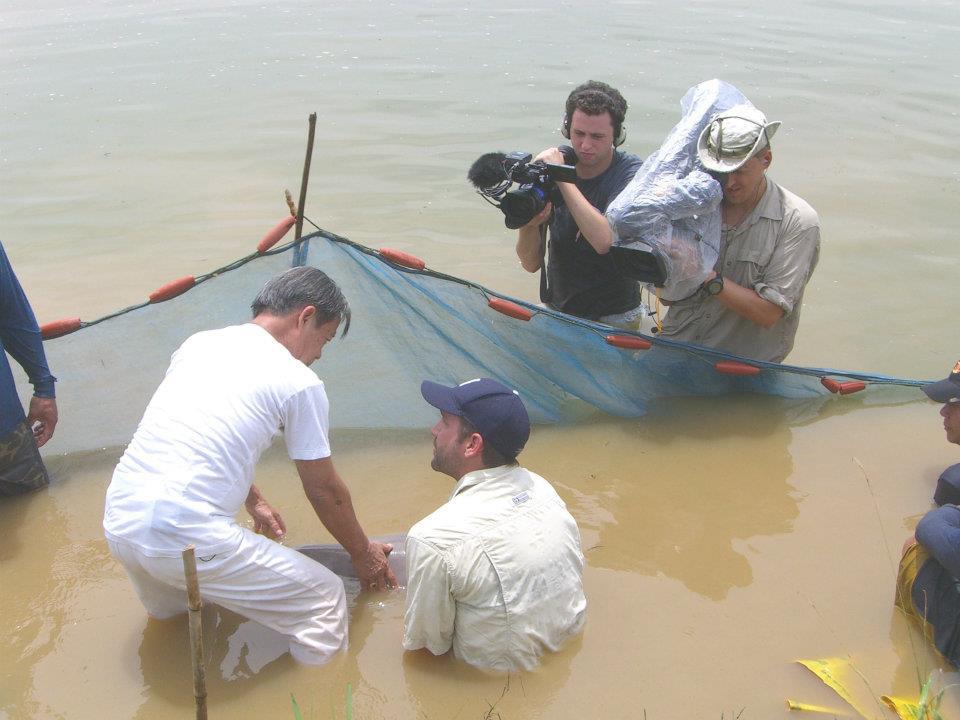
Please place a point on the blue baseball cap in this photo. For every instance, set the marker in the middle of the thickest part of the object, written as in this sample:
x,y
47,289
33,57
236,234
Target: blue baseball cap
x,y
496,411
946,390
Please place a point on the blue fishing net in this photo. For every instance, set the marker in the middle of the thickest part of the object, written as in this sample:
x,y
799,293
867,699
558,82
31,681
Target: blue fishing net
x,y
408,325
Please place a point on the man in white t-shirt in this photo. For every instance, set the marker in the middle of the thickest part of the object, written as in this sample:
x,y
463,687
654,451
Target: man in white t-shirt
x,y
495,573
189,468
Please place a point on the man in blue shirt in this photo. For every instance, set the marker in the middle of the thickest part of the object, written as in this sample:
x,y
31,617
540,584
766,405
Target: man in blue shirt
x,y
928,584
21,469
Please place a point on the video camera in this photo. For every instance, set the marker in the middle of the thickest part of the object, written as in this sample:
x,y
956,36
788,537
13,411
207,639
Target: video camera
x,y
494,174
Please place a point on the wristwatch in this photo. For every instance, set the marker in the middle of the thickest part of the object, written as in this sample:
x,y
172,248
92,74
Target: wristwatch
x,y
714,285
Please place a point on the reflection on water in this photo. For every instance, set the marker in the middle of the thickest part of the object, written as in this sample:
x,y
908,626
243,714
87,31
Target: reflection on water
x,y
723,541
680,508
30,598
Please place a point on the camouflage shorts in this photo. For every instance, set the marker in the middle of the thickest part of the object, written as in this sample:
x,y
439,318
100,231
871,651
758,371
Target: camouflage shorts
x,y
21,469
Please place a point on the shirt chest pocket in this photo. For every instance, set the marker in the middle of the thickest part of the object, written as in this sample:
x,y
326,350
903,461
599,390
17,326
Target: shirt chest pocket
x,y
746,265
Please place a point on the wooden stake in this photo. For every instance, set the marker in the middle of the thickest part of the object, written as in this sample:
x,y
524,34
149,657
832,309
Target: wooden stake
x,y
306,176
196,636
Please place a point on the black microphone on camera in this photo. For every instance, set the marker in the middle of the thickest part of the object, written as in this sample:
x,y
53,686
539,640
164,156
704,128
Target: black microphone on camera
x,y
519,186
492,171
487,171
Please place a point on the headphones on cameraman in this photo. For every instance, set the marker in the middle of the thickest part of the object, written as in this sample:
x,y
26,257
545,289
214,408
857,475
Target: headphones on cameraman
x,y
621,135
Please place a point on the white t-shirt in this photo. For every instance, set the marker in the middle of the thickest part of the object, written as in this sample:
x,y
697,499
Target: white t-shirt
x,y
189,468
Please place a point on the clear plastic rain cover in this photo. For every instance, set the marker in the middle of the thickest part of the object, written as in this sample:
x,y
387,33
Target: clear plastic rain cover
x,y
672,205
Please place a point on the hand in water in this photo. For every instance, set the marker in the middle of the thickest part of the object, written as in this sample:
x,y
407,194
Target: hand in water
x,y
374,570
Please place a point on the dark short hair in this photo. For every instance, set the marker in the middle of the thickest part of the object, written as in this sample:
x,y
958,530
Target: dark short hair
x,y
298,287
596,98
490,456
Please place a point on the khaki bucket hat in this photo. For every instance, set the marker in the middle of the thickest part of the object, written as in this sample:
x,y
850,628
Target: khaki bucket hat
x,y
733,137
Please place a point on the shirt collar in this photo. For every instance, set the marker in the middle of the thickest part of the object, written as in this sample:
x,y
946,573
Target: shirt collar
x,y
478,476
770,205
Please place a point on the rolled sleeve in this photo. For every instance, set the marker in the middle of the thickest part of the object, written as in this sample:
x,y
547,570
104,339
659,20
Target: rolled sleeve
x,y
790,268
431,608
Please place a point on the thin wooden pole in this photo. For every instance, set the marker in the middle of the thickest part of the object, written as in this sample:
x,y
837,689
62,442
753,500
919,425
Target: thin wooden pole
x,y
196,635
306,176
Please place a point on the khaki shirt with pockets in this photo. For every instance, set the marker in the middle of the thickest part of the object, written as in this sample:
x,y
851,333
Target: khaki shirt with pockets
x,y
495,573
774,252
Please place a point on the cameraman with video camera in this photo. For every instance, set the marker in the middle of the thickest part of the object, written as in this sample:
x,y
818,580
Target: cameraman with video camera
x,y
581,277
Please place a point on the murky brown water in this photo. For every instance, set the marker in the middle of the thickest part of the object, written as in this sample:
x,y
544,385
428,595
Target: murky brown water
x,y
725,538
724,541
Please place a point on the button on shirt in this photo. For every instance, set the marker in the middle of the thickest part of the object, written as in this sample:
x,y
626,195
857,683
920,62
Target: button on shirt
x,y
773,252
496,572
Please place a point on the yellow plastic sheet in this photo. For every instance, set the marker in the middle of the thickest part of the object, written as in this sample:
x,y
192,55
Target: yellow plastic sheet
x,y
807,707
835,674
905,709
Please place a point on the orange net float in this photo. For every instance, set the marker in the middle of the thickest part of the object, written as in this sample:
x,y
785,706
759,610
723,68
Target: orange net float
x,y
56,328
275,234
510,309
732,367
628,342
842,388
172,289
399,257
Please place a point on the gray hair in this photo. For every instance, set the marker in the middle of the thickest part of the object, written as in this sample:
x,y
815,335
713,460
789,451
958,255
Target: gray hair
x,y
299,287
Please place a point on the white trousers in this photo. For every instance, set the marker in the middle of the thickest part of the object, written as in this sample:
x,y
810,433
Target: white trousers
x,y
266,582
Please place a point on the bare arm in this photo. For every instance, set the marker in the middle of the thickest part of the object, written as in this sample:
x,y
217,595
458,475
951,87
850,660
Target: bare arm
x,y
594,227
331,501
530,241
746,303
783,279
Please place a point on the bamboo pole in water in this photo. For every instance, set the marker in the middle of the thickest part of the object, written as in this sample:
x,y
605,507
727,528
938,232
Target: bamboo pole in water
x,y
306,175
196,636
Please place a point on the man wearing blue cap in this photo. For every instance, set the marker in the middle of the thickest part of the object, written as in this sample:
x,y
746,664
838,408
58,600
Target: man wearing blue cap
x,y
928,584
496,572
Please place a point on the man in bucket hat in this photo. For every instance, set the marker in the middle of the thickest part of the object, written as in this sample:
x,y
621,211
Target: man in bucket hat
x,y
770,243
495,572
928,584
